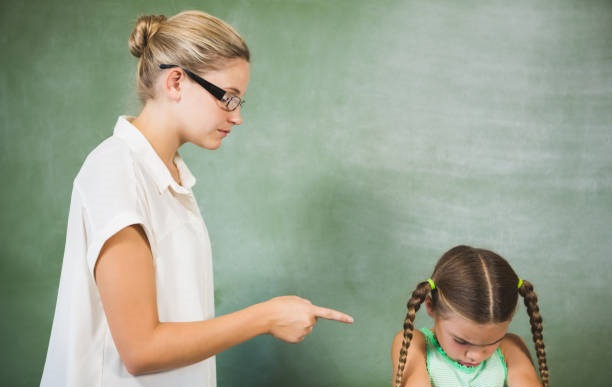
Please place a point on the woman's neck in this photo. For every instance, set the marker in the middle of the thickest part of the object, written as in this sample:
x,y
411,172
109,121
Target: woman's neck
x,y
161,134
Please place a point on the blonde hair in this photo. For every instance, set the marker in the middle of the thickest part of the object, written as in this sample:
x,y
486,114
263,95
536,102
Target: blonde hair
x,y
192,39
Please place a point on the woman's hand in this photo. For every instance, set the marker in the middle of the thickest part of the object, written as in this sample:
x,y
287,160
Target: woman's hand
x,y
291,318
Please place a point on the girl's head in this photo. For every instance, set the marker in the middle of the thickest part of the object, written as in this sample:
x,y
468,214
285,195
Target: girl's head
x,y
475,284
192,39
472,295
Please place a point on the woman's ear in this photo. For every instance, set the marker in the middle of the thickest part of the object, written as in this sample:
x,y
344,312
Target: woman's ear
x,y
172,83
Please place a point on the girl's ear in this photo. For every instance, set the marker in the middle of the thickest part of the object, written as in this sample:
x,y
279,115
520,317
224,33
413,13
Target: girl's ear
x,y
429,306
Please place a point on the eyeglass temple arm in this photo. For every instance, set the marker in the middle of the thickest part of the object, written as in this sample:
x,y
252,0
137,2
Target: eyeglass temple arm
x,y
218,92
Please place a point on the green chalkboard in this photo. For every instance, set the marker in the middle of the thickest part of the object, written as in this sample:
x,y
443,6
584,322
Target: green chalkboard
x,y
377,135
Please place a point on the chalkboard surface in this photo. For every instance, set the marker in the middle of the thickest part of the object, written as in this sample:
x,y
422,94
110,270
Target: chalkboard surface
x,y
377,135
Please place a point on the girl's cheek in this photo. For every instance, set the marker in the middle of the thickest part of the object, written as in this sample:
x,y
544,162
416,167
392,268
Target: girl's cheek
x,y
455,349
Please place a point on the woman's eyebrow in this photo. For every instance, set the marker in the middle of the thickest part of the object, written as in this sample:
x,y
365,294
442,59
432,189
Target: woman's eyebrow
x,y
233,90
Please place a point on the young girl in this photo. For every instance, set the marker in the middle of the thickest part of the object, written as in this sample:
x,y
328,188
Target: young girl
x,y
135,301
471,297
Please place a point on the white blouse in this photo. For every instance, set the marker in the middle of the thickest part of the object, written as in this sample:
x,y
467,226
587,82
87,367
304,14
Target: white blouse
x,y
123,182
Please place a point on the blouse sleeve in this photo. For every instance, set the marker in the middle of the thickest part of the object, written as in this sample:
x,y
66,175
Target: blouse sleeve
x,y
108,186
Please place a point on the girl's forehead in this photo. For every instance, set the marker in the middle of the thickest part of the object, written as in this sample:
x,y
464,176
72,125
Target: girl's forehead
x,y
472,332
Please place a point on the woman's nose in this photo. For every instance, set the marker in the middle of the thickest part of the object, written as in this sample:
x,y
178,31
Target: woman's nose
x,y
235,117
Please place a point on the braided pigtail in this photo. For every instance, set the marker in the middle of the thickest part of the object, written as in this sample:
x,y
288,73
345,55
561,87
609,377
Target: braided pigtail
x,y
413,305
531,302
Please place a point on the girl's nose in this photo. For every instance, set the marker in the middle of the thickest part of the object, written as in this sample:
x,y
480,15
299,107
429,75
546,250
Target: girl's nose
x,y
477,355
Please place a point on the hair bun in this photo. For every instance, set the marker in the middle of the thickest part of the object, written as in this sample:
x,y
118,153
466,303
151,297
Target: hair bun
x,y
145,28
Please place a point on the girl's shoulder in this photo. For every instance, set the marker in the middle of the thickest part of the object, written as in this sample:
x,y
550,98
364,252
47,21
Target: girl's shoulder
x,y
415,368
515,352
417,344
521,371
513,345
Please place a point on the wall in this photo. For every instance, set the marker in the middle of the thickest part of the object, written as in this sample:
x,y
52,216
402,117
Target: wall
x,y
377,135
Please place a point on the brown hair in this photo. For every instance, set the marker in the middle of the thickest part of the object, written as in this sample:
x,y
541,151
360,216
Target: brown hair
x,y
192,39
480,286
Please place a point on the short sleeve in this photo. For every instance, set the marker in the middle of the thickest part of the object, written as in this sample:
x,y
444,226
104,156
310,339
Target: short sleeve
x,y
108,186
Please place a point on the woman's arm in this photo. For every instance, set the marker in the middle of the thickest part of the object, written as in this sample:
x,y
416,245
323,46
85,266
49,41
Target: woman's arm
x,y
521,372
415,370
125,278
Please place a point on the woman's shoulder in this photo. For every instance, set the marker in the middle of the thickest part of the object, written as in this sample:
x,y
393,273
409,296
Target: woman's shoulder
x,y
108,171
110,150
109,158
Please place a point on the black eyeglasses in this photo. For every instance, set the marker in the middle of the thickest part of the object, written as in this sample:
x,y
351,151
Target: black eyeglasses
x,y
230,101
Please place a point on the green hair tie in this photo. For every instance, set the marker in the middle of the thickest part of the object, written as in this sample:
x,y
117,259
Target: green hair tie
x,y
520,283
431,283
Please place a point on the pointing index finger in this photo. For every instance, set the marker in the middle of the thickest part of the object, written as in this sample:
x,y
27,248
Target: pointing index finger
x,y
331,314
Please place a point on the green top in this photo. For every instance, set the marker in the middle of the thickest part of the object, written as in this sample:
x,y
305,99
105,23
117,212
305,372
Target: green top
x,y
445,372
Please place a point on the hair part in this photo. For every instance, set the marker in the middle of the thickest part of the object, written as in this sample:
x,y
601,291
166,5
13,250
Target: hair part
x,y
480,286
476,284
192,39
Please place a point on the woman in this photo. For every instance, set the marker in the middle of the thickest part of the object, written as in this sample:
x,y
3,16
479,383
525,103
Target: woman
x,y
135,302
